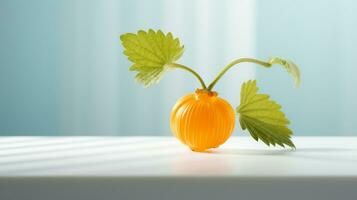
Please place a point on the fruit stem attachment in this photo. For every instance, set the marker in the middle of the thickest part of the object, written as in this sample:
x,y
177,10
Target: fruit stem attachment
x,y
233,63
176,65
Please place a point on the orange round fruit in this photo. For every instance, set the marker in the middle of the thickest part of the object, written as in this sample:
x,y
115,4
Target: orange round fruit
x,y
202,120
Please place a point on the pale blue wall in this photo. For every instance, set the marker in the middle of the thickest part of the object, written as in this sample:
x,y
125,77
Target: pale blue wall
x,y
29,49
321,36
62,71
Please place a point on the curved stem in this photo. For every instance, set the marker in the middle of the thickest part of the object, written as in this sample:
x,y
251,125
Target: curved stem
x,y
230,65
175,65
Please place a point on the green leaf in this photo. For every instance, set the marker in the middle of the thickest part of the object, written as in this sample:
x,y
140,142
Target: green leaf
x,y
150,52
262,117
291,67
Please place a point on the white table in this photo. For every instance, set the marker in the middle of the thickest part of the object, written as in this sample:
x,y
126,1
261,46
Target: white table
x,y
77,168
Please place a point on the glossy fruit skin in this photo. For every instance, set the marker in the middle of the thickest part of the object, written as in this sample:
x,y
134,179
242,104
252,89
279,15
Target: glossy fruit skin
x,y
202,120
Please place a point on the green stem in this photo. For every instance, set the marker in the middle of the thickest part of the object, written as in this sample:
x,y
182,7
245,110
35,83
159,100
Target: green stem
x,y
175,65
230,65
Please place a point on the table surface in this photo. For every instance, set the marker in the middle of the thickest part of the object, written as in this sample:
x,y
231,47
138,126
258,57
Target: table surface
x,y
166,157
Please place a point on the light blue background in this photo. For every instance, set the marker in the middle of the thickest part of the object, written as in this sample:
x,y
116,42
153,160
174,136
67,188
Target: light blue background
x,y
62,71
